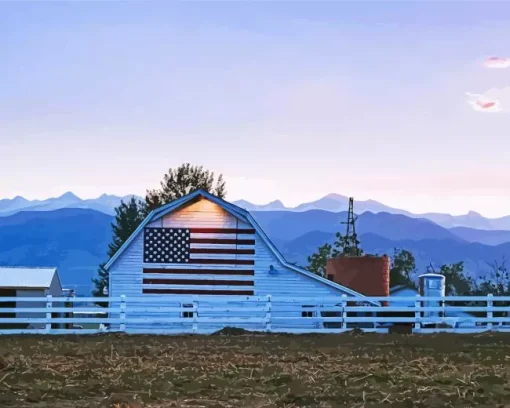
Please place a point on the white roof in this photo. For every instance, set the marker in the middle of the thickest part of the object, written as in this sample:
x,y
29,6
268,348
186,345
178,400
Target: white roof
x,y
432,275
22,277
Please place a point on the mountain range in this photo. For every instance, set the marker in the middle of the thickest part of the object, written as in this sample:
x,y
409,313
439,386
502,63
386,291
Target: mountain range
x,y
331,202
104,203
337,203
76,240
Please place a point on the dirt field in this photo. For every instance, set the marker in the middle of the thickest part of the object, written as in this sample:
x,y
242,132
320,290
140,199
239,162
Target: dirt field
x,y
256,371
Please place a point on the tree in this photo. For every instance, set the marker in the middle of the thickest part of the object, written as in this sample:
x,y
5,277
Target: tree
x,y
497,281
128,216
175,184
403,266
343,246
456,282
183,180
346,245
318,260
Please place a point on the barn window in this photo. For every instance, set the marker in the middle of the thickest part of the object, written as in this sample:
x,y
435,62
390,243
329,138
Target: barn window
x,y
187,315
307,313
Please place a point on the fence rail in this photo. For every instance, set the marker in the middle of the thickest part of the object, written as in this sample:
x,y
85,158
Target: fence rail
x,y
207,314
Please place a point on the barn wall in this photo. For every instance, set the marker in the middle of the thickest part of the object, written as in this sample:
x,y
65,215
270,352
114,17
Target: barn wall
x,y
55,287
126,274
203,213
31,293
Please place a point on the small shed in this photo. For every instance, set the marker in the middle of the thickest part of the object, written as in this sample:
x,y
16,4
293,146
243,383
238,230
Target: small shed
x,y
403,291
22,282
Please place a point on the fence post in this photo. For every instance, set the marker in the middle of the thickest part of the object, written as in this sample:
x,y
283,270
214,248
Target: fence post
x,y
268,313
417,313
49,302
123,313
489,310
344,313
195,315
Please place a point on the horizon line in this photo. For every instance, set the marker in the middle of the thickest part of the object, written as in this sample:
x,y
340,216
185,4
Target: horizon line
x,y
285,208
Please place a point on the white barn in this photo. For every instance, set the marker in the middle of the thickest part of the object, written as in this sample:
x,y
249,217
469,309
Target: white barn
x,y
202,246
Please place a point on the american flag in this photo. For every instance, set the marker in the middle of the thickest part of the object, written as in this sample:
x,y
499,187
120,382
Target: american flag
x,y
226,251
167,245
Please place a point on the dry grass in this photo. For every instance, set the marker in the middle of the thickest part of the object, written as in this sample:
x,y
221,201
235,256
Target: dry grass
x,y
256,371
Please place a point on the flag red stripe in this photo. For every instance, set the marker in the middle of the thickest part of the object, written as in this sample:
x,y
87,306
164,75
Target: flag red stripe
x,y
222,251
220,231
197,282
197,292
240,272
222,261
222,241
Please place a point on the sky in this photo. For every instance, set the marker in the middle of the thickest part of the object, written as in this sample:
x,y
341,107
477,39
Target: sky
x,y
393,101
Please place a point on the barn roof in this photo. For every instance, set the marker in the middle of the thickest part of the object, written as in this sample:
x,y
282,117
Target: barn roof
x,y
237,212
26,277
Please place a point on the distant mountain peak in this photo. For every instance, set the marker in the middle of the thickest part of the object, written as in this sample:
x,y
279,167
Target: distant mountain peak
x,y
276,203
335,196
243,203
474,214
273,205
69,196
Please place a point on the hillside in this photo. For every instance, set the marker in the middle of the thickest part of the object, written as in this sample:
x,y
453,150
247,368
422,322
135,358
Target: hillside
x,y
74,240
475,255
287,225
487,237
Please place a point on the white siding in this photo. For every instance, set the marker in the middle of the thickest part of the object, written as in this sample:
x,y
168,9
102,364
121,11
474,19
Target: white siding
x,y
31,293
55,289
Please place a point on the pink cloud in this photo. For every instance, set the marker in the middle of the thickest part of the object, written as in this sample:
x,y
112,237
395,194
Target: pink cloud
x,y
483,103
497,62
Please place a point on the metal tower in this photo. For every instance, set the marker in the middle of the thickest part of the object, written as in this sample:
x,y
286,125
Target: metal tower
x,y
350,235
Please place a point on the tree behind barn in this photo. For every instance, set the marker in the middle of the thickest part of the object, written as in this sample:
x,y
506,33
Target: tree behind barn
x,y
128,216
403,268
182,181
343,246
175,184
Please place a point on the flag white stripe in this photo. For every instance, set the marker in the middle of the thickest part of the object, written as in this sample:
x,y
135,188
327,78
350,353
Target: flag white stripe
x,y
221,256
223,236
222,246
192,276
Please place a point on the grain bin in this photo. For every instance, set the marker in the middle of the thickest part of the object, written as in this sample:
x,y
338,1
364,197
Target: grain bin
x,y
432,285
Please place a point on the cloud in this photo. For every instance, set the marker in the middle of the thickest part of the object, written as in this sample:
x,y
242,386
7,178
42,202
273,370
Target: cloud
x,y
497,62
492,101
483,104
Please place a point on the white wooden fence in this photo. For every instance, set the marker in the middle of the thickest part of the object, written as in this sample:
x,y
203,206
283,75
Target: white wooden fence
x,y
207,314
